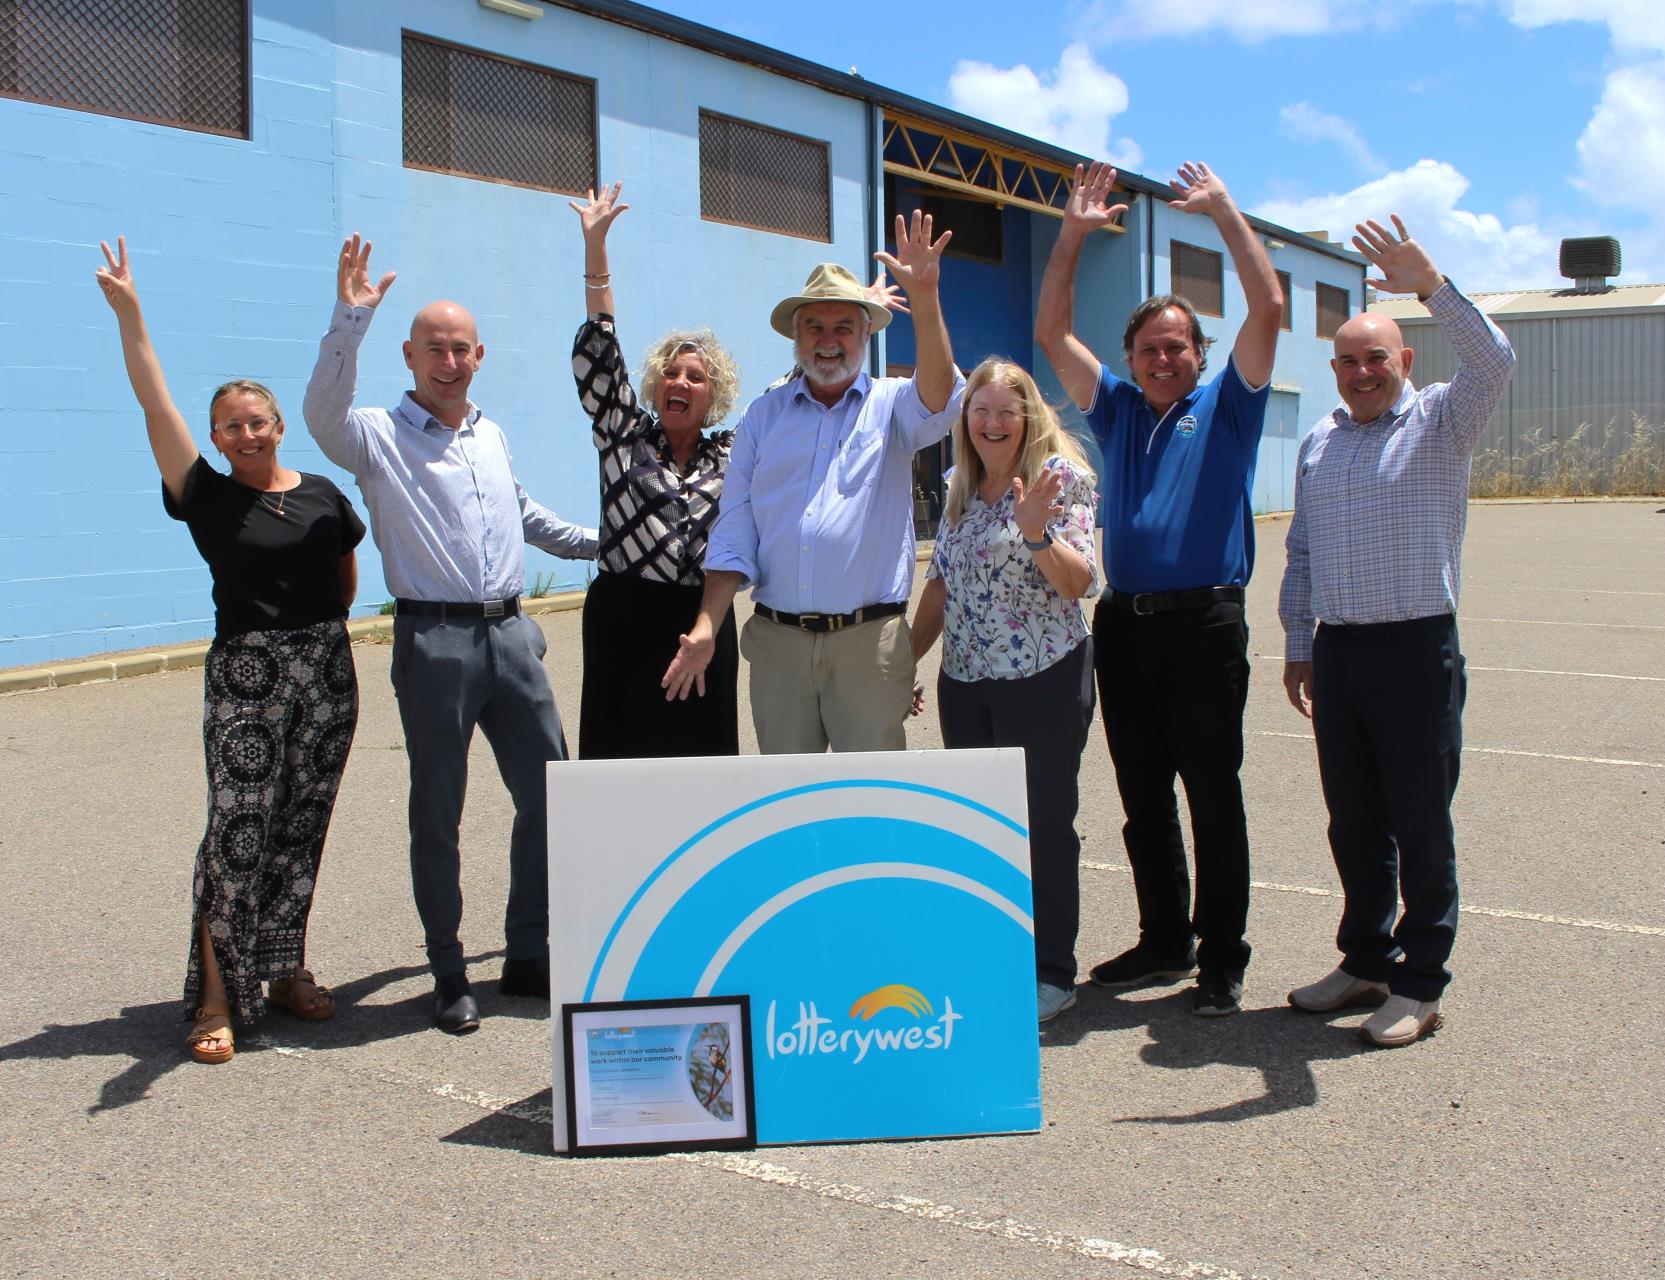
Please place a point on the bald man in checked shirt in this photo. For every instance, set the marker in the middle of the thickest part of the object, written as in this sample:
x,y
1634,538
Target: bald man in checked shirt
x,y
1369,604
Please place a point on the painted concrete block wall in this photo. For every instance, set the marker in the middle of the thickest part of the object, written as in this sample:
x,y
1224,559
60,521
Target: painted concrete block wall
x,y
234,245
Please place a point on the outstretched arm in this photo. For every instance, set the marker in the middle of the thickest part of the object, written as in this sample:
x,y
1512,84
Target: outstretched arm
x,y
170,438
329,392
1199,190
596,216
1088,209
917,266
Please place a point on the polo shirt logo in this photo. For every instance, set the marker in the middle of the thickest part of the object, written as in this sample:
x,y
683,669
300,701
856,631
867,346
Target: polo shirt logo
x,y
1186,426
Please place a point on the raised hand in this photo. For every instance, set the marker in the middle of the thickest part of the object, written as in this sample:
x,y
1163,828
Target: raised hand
x,y
1034,510
597,212
1199,190
1089,207
116,279
886,295
352,275
1404,264
917,262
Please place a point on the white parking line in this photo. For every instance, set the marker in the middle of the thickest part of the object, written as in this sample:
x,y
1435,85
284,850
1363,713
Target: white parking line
x,y
1496,913
1529,587
1499,751
1147,1260
1582,675
1547,622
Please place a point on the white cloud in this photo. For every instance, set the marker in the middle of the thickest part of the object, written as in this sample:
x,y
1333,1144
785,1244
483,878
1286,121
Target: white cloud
x,y
1622,150
1071,106
1306,122
1478,249
1632,24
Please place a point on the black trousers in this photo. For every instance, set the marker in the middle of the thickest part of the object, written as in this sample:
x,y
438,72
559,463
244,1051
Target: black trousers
x,y
630,632
1173,687
1049,715
1387,710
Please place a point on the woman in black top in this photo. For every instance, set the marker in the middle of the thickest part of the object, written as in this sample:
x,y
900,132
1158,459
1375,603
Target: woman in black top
x,y
661,478
281,694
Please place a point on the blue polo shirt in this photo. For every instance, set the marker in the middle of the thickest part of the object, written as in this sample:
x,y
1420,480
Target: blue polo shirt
x,y
1178,511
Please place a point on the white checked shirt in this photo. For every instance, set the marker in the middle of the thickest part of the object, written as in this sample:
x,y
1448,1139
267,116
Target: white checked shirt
x,y
1380,507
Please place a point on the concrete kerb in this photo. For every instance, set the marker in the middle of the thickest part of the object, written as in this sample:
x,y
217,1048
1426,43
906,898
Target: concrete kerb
x,y
144,662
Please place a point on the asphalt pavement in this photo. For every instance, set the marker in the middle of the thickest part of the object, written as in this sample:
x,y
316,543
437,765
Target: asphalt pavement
x,y
1526,1138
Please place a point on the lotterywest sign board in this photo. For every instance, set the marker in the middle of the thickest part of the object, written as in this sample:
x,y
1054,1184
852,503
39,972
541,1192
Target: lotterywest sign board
x,y
876,908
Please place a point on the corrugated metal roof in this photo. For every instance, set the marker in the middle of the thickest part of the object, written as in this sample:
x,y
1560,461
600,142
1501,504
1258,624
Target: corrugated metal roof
x,y
711,40
1521,303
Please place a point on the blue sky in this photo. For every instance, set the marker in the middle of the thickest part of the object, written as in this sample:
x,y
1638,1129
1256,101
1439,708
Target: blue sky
x,y
1494,127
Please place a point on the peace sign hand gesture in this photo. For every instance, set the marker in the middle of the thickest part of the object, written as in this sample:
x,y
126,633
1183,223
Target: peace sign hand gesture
x,y
352,275
116,279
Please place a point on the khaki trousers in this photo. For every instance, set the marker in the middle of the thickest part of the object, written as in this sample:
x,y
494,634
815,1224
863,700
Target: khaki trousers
x,y
848,689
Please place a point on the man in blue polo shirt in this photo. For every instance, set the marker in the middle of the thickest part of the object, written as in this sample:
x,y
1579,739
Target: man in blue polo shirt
x,y
1170,641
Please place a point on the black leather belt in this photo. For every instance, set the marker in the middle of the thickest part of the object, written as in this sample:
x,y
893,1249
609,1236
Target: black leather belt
x,y
1150,602
830,621
471,609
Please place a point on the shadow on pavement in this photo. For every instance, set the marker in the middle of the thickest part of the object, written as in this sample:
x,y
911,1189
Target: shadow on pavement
x,y
153,1035
522,1126
1278,1042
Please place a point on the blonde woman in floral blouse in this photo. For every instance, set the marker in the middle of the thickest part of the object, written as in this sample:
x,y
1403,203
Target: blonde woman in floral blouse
x,y
1014,558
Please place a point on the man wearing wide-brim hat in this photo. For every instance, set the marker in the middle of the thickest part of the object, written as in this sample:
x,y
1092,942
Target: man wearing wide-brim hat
x,y
817,515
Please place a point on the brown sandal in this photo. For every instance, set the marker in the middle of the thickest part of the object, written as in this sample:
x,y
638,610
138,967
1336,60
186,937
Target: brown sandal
x,y
213,1023
299,995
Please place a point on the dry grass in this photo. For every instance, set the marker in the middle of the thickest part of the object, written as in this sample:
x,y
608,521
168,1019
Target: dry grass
x,y
1609,461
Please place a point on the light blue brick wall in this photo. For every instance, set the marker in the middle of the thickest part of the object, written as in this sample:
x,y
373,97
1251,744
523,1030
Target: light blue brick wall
x,y
234,244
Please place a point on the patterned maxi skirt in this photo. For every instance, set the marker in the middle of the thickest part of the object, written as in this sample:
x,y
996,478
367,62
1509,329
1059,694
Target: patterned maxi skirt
x,y
279,712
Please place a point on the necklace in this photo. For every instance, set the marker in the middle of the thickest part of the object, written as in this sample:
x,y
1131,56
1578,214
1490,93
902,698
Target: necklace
x,y
278,509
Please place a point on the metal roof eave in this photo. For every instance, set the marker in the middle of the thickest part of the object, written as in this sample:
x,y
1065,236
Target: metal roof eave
x,y
709,39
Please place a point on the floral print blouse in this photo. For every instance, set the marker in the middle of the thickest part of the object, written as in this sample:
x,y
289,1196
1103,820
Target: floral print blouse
x,y
1002,619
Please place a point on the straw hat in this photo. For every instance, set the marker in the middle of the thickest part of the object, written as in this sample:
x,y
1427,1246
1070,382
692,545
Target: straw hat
x,y
829,282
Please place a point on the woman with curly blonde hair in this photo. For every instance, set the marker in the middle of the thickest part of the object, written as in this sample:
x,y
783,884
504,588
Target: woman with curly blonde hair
x,y
662,470
1013,559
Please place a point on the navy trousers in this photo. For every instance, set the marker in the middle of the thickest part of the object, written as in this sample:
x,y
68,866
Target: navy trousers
x,y
450,675
1049,715
1387,710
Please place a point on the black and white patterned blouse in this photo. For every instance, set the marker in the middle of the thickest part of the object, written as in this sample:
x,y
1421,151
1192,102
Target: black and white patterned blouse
x,y
654,518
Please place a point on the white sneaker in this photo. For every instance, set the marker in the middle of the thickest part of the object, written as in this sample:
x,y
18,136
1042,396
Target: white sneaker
x,y
1401,1021
1337,990
1050,1001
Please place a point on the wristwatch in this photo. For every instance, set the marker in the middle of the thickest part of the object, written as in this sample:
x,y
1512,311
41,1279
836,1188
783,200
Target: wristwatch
x,y
1042,545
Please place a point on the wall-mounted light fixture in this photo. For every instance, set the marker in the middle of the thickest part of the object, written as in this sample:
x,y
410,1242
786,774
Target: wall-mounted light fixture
x,y
1273,245
514,8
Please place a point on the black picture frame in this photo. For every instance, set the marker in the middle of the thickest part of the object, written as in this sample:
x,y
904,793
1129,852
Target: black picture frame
x,y
624,1091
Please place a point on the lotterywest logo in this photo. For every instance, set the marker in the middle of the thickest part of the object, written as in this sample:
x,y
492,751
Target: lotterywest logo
x,y
814,1034
1186,426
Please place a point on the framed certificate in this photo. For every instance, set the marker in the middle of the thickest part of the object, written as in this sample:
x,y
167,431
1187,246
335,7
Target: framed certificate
x,y
648,1076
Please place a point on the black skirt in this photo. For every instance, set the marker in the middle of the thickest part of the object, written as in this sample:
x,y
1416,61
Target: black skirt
x,y
631,627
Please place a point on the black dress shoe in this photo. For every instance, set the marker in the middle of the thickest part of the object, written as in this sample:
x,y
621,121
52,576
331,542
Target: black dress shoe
x,y
525,978
454,1009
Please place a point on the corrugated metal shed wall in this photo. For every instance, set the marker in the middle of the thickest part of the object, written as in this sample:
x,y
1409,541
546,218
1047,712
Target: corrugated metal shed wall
x,y
1597,372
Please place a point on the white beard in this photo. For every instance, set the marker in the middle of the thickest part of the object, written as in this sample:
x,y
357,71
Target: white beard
x,y
825,373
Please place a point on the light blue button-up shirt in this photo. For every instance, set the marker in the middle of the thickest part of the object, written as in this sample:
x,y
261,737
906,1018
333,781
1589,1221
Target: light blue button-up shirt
x,y
817,509
449,517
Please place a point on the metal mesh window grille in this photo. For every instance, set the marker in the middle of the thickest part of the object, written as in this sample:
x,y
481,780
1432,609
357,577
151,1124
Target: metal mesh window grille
x,y
759,177
1198,276
1288,288
173,62
1332,309
488,117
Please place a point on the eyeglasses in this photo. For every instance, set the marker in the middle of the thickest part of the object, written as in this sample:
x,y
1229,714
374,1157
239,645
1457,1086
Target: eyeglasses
x,y
254,426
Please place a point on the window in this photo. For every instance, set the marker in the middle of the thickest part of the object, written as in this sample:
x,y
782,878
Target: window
x,y
183,63
1288,321
1332,309
978,225
483,116
754,176
1198,276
